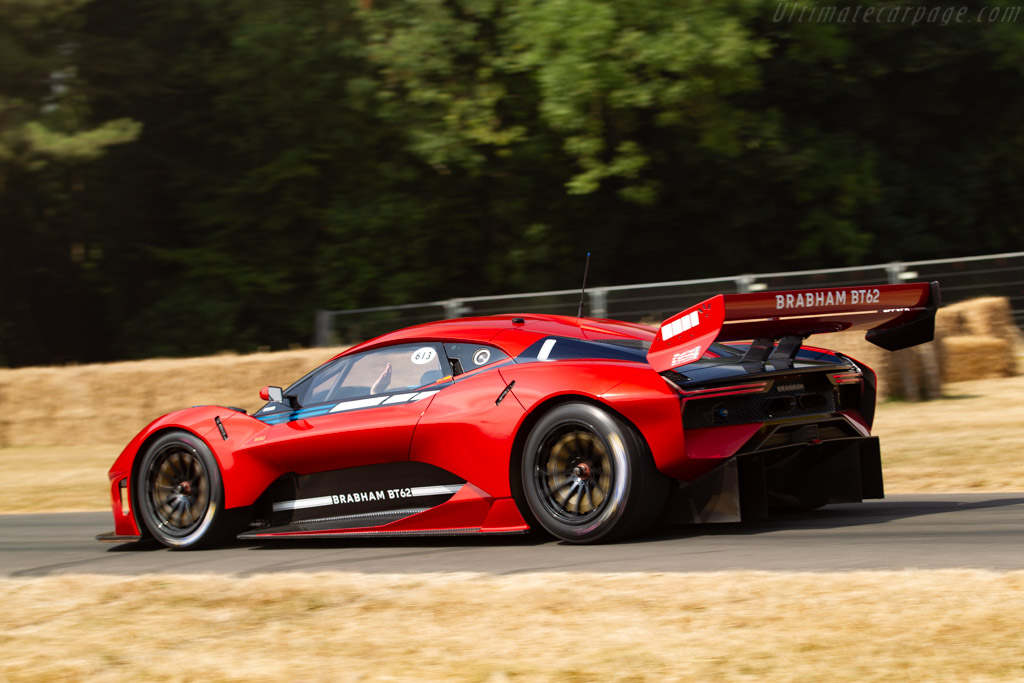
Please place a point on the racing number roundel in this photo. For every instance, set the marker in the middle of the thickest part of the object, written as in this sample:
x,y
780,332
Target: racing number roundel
x,y
423,355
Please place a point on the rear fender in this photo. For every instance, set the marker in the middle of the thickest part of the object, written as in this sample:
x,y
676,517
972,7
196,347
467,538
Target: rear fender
x,y
636,393
539,381
646,400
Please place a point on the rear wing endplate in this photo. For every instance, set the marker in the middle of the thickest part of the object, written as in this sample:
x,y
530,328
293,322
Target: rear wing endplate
x,y
894,316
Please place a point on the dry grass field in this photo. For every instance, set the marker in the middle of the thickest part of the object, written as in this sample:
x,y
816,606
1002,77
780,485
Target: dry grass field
x,y
55,478
951,626
969,441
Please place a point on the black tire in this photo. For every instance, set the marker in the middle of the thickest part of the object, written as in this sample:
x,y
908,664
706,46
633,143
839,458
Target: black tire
x,y
588,477
179,494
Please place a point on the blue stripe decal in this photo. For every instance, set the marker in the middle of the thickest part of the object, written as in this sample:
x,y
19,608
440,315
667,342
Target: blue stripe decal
x,y
278,418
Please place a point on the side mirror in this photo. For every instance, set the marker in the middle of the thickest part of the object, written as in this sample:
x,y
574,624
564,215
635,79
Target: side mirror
x,y
273,394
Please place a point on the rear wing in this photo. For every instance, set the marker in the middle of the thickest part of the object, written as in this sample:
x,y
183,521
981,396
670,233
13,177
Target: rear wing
x,y
895,317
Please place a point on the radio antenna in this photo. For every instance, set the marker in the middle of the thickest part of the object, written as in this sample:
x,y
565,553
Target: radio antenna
x,y
583,290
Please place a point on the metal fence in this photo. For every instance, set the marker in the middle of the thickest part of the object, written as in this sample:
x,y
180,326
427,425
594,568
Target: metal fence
x,y
963,278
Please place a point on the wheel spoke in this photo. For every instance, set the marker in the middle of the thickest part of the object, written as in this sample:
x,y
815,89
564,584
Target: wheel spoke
x,y
173,463
544,472
164,474
574,441
195,471
589,444
558,497
556,454
575,494
565,482
182,512
172,516
186,466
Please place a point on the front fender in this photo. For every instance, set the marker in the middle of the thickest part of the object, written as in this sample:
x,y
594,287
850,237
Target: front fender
x,y
244,477
199,421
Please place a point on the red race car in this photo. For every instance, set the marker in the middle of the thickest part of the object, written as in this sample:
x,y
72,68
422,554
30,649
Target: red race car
x,y
590,429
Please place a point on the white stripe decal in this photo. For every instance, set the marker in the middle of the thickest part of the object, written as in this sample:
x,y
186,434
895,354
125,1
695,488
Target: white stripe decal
x,y
302,504
435,490
425,394
417,491
374,401
401,398
545,349
680,325
361,403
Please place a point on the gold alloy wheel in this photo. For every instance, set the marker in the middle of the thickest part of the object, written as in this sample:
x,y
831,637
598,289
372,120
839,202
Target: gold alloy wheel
x,y
178,490
574,473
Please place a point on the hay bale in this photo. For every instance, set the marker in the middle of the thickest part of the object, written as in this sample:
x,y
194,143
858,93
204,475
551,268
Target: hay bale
x,y
949,323
1018,352
985,319
911,374
987,316
978,357
111,402
974,339
990,316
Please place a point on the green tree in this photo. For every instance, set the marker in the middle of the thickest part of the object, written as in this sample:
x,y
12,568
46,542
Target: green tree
x,y
349,153
48,135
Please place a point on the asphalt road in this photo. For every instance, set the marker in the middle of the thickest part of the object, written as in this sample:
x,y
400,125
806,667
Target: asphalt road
x,y
908,531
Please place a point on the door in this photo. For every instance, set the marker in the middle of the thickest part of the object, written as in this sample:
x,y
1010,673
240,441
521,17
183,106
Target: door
x,y
357,410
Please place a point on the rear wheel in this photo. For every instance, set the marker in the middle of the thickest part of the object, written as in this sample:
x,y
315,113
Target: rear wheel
x,y
179,492
588,477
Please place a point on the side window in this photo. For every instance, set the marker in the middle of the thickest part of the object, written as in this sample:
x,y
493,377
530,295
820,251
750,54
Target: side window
x,y
320,385
466,357
392,369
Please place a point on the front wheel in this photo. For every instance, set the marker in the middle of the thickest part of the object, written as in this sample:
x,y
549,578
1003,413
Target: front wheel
x,y
588,476
179,492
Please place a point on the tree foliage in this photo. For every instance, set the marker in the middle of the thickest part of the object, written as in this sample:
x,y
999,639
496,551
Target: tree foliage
x,y
47,132
188,177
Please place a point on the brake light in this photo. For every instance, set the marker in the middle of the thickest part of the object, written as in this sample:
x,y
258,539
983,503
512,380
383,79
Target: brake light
x,y
716,392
